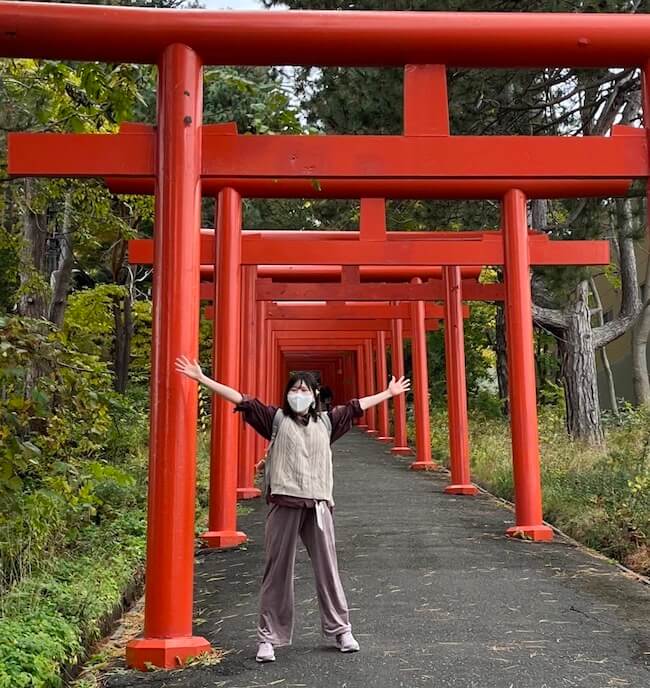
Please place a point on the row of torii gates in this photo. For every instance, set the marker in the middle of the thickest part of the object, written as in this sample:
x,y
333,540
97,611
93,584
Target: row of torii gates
x,y
379,285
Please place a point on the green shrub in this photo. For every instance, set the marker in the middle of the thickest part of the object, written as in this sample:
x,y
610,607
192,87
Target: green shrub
x,y
71,450
48,619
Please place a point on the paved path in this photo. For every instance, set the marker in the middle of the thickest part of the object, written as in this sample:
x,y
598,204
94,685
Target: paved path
x,y
439,597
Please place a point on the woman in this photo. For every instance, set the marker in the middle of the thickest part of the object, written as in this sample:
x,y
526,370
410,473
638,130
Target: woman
x,y
298,486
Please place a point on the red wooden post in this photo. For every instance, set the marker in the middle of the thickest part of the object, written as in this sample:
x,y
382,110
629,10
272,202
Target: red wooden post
x,y
261,369
168,635
270,394
276,365
456,385
421,392
399,404
247,454
521,372
222,518
382,381
371,413
361,384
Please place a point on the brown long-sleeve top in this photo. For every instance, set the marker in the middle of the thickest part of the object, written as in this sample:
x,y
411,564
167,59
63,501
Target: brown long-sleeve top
x,y
260,417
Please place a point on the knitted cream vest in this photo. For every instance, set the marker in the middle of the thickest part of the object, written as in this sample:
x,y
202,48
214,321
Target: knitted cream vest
x,y
300,461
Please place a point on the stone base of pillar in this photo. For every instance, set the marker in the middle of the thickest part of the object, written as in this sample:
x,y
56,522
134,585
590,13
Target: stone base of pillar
x,y
372,433
223,539
424,466
385,438
362,426
248,493
166,653
402,451
461,489
539,533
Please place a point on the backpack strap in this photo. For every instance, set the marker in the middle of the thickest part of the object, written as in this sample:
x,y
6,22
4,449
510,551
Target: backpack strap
x,y
277,419
324,416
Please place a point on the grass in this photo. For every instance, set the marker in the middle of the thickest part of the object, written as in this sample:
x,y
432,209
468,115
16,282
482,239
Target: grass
x,y
598,496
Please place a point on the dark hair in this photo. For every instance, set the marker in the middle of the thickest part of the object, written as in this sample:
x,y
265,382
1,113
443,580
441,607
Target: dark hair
x,y
310,381
326,397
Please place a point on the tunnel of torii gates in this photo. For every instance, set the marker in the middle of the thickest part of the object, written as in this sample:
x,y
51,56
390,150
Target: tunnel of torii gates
x,y
179,160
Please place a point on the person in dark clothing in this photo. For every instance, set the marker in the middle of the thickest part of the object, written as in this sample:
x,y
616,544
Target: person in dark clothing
x,y
326,397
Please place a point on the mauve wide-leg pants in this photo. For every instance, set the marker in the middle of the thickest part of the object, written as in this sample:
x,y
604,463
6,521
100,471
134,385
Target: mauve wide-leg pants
x,y
283,526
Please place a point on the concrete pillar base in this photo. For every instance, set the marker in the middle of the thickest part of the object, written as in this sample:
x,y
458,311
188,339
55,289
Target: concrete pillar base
x,y
385,438
424,466
402,451
539,533
248,493
461,489
372,433
166,653
223,539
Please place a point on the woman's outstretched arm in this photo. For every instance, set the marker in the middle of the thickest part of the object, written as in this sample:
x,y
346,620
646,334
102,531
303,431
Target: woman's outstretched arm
x,y
395,387
193,370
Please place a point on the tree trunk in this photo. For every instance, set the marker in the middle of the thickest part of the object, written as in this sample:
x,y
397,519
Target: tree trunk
x,y
123,319
33,292
502,361
577,350
640,334
611,387
61,277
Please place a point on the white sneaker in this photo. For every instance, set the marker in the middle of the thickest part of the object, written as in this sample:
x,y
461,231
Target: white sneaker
x,y
265,653
346,642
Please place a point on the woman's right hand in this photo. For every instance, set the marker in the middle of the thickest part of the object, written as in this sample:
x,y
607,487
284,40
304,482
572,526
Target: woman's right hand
x,y
260,465
190,368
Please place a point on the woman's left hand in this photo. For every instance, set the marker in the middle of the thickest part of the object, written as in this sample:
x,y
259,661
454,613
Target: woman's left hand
x,y
397,387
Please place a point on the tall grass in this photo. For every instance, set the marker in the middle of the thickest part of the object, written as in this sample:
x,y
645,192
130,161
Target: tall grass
x,y
599,496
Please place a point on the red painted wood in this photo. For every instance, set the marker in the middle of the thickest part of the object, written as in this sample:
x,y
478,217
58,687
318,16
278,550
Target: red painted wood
x,y
382,39
521,373
172,448
391,188
316,157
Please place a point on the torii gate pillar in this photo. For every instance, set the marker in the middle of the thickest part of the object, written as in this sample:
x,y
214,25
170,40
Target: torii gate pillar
x,y
399,405
261,374
382,380
222,517
167,638
456,385
521,372
371,414
421,392
247,436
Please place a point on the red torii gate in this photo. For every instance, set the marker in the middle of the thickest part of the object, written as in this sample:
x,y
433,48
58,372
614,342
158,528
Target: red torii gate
x,y
484,247
140,251
178,156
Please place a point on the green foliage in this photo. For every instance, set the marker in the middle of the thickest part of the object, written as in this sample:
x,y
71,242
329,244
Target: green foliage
x,y
57,423
89,322
49,619
79,97
253,97
90,327
9,259
479,356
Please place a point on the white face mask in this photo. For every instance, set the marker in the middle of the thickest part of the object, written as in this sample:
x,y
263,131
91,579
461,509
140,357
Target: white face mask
x,y
300,401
